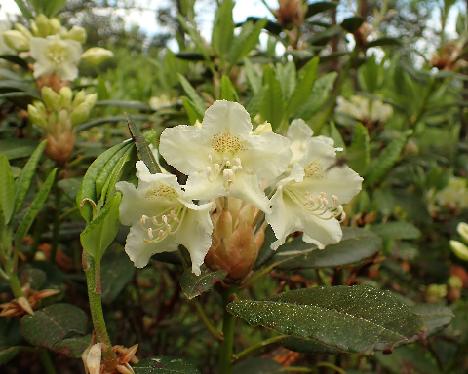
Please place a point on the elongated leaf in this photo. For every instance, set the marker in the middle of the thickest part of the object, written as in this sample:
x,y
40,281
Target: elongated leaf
x,y
52,327
316,100
88,185
192,112
228,92
305,83
356,246
193,286
36,205
7,354
164,365
385,161
24,181
131,104
116,272
352,24
246,41
102,230
397,230
272,104
193,95
358,154
350,318
106,170
108,120
16,60
7,189
319,7
144,151
17,148
223,28
384,42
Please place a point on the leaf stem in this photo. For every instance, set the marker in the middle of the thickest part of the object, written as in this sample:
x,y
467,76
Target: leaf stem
x,y
258,346
15,285
211,328
226,347
96,309
56,229
47,362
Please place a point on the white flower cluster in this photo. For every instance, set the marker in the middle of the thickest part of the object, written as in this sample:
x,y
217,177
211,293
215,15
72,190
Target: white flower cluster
x,y
225,157
55,49
364,109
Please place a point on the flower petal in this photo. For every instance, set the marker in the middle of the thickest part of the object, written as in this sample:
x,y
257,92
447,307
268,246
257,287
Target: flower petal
x,y
227,116
283,219
245,186
268,155
140,251
132,205
186,148
195,234
199,187
320,231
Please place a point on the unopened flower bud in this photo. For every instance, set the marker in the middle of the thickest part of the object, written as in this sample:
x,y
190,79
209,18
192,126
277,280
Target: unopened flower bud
x,y
95,56
462,229
65,97
459,249
51,98
36,117
23,30
60,146
16,40
76,33
79,98
81,113
43,26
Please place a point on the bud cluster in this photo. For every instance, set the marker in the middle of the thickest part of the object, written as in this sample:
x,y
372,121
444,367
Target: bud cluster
x,y
57,114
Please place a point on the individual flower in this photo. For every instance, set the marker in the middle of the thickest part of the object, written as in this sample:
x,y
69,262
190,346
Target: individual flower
x,y
453,196
224,157
55,56
161,217
310,198
364,109
4,48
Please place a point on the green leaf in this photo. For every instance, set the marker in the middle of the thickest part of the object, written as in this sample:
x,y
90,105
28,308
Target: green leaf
x,y
272,103
193,95
130,104
73,347
192,112
385,161
144,151
435,317
246,41
193,286
7,189
358,153
286,74
36,205
357,319
223,28
88,189
319,7
17,148
399,230
164,365
24,181
384,42
304,86
25,8
352,24
116,272
357,245
102,230
228,92
253,76
317,99
51,326
8,353
108,120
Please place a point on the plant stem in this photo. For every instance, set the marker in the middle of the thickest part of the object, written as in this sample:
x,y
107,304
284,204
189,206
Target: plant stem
x,y
15,285
47,362
259,346
96,308
56,229
226,348
211,328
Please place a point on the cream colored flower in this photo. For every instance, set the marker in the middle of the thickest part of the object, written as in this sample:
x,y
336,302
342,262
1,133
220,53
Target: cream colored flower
x,y
55,56
161,217
224,157
310,198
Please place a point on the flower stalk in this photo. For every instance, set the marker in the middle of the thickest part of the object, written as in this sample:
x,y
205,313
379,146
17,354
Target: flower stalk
x,y
227,346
